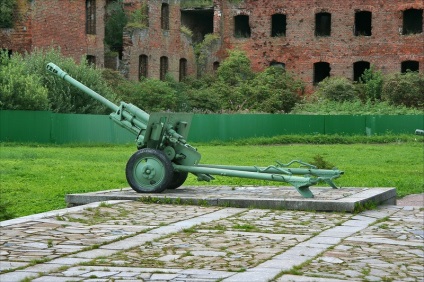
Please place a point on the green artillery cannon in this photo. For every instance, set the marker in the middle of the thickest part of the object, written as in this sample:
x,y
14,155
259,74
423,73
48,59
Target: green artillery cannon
x,y
164,158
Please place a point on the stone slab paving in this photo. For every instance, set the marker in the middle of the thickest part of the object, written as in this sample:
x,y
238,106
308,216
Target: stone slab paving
x,y
135,241
275,197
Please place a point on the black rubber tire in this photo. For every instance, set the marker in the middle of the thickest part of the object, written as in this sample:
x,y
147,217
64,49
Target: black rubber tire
x,y
178,179
149,171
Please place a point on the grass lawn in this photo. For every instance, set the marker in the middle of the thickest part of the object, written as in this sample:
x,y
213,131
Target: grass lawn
x,y
36,178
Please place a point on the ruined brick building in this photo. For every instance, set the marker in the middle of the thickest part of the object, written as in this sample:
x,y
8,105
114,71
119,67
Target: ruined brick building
x,y
313,39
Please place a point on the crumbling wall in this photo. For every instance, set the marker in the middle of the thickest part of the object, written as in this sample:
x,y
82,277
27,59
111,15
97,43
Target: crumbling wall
x,y
43,24
299,49
18,38
156,42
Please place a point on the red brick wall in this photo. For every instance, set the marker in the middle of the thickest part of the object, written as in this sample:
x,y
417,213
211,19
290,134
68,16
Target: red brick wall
x,y
18,38
155,42
300,49
58,24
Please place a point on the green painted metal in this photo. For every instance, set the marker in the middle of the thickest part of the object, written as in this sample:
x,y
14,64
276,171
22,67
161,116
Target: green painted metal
x,y
280,172
345,125
227,127
25,126
48,127
393,124
164,157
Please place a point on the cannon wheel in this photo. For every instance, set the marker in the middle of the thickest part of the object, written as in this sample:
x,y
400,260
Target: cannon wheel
x,y
149,171
178,179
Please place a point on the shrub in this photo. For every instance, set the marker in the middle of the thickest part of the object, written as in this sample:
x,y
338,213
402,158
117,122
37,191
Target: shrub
x,y
372,84
404,89
199,95
150,95
20,90
235,69
275,90
203,100
63,97
338,89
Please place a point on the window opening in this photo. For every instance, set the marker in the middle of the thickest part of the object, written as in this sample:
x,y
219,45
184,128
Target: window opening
x,y
321,71
91,60
165,16
90,16
241,26
142,66
199,21
163,67
359,68
183,69
215,66
278,25
277,64
410,66
363,23
412,21
322,24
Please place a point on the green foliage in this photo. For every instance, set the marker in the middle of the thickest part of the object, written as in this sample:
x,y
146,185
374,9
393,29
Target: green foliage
x,y
371,84
235,70
63,97
19,88
321,163
404,89
338,89
116,20
7,8
275,90
151,95
312,105
200,97
139,18
186,30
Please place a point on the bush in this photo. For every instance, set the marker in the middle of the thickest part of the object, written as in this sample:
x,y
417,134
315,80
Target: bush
x,y
199,96
325,107
150,95
20,90
275,90
404,89
338,89
63,97
372,85
203,100
235,69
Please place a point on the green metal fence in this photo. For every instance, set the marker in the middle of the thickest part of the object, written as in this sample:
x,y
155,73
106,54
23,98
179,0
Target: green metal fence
x,y
48,127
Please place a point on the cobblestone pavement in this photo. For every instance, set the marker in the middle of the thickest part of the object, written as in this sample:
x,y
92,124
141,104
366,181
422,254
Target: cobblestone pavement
x,y
135,241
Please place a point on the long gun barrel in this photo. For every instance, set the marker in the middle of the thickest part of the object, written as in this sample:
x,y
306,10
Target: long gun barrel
x,y
126,115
